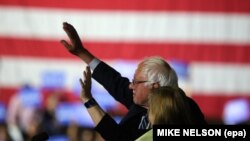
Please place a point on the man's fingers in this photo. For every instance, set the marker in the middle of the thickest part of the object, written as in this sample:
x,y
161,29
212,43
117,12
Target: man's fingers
x,y
67,27
66,44
88,72
81,82
70,31
85,74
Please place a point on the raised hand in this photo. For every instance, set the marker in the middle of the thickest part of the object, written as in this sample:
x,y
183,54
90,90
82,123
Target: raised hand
x,y
86,85
76,47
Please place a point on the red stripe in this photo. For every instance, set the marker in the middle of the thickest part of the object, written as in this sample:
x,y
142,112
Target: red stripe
x,y
186,52
238,6
6,94
213,105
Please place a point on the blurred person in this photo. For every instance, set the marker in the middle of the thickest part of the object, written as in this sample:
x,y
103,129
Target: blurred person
x,y
172,108
32,130
4,135
49,122
98,136
87,134
151,72
21,112
72,131
41,136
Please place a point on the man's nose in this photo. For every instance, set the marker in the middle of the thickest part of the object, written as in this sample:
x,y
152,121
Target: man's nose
x,y
131,86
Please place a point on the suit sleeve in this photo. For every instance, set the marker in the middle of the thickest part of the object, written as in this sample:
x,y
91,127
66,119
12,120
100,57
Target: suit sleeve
x,y
114,83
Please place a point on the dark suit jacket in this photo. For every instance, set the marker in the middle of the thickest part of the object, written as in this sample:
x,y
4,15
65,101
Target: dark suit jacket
x,y
118,87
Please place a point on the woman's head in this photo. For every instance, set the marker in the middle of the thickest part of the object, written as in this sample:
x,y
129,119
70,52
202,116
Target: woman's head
x,y
167,105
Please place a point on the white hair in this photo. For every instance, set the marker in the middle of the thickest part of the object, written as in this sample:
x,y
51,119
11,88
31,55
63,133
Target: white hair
x,y
156,69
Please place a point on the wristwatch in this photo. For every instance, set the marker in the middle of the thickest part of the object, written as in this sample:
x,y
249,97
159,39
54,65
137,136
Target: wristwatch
x,y
90,103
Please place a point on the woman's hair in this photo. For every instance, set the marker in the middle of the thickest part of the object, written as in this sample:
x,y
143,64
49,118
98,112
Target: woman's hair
x,y
156,69
169,105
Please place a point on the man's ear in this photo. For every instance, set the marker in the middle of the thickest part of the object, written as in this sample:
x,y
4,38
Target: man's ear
x,y
156,85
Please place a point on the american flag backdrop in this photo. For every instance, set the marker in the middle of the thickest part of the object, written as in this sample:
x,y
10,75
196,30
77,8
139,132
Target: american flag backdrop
x,y
212,37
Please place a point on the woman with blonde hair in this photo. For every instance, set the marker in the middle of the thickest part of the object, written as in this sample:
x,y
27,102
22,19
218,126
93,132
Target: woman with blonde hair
x,y
167,106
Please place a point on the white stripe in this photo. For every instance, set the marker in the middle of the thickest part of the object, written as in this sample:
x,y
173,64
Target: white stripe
x,y
15,72
126,26
220,78
204,78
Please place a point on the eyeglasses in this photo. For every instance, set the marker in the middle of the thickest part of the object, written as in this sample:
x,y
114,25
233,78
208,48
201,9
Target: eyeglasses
x,y
134,82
